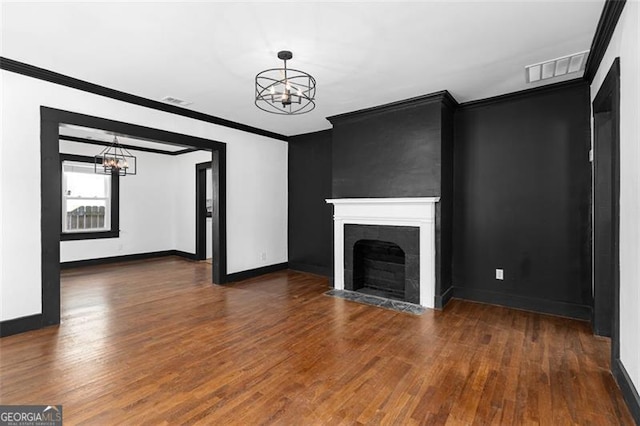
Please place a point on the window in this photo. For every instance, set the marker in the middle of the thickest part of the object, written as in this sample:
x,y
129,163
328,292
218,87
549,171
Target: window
x,y
89,200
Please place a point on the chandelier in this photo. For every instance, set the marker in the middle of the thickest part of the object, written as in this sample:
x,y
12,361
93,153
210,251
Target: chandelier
x,y
115,159
285,90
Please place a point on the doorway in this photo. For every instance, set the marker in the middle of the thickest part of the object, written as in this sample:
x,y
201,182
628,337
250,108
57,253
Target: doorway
x,y
206,195
51,187
606,211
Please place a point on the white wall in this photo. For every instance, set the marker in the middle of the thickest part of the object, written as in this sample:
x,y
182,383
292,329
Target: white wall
x,y
185,199
260,173
1,196
625,44
150,190
256,184
209,239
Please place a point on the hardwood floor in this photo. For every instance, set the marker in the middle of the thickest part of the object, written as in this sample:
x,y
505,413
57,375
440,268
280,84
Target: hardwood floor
x,y
152,342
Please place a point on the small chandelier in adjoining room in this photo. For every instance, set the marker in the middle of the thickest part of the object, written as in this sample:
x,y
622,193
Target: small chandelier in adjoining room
x,y
285,90
115,159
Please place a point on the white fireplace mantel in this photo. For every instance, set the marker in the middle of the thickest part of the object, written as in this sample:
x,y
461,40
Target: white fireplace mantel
x,y
416,211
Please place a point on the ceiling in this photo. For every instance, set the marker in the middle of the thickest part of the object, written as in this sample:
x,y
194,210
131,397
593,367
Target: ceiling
x,y
99,135
362,54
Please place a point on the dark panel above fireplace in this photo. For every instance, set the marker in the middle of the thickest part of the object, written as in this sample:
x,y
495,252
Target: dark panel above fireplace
x,y
394,150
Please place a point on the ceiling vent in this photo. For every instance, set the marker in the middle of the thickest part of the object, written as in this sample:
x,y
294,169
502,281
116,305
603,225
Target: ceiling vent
x,y
176,101
556,67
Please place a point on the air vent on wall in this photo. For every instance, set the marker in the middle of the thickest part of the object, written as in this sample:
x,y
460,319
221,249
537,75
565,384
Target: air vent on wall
x,y
176,101
556,67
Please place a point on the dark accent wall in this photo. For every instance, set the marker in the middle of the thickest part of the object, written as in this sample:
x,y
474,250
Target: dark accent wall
x,y
403,149
310,217
522,201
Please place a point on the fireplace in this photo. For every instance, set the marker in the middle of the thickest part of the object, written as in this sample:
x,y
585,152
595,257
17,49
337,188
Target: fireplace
x,y
383,261
386,246
378,269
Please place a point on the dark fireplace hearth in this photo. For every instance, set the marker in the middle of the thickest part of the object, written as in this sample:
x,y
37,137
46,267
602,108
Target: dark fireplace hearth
x,y
383,261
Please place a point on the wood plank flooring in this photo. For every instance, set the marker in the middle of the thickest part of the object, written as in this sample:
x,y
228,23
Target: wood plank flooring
x,y
152,342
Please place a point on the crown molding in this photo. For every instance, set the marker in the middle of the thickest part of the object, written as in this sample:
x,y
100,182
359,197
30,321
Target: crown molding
x,y
74,83
604,31
523,93
442,96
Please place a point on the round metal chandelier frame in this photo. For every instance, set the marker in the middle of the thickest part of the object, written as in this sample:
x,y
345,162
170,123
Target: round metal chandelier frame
x,y
285,91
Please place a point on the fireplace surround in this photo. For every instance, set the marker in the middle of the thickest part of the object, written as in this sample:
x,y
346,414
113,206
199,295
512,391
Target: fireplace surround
x,y
417,212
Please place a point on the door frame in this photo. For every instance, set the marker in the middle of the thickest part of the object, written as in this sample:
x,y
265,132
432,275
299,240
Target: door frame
x,y
201,206
607,101
51,187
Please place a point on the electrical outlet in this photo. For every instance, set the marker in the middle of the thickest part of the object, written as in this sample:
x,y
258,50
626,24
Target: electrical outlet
x,y
120,247
263,256
499,274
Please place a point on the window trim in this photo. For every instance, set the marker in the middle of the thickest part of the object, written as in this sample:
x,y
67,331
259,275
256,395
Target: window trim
x,y
114,232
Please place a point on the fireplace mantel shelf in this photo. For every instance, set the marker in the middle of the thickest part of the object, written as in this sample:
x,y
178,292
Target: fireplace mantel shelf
x,y
412,200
